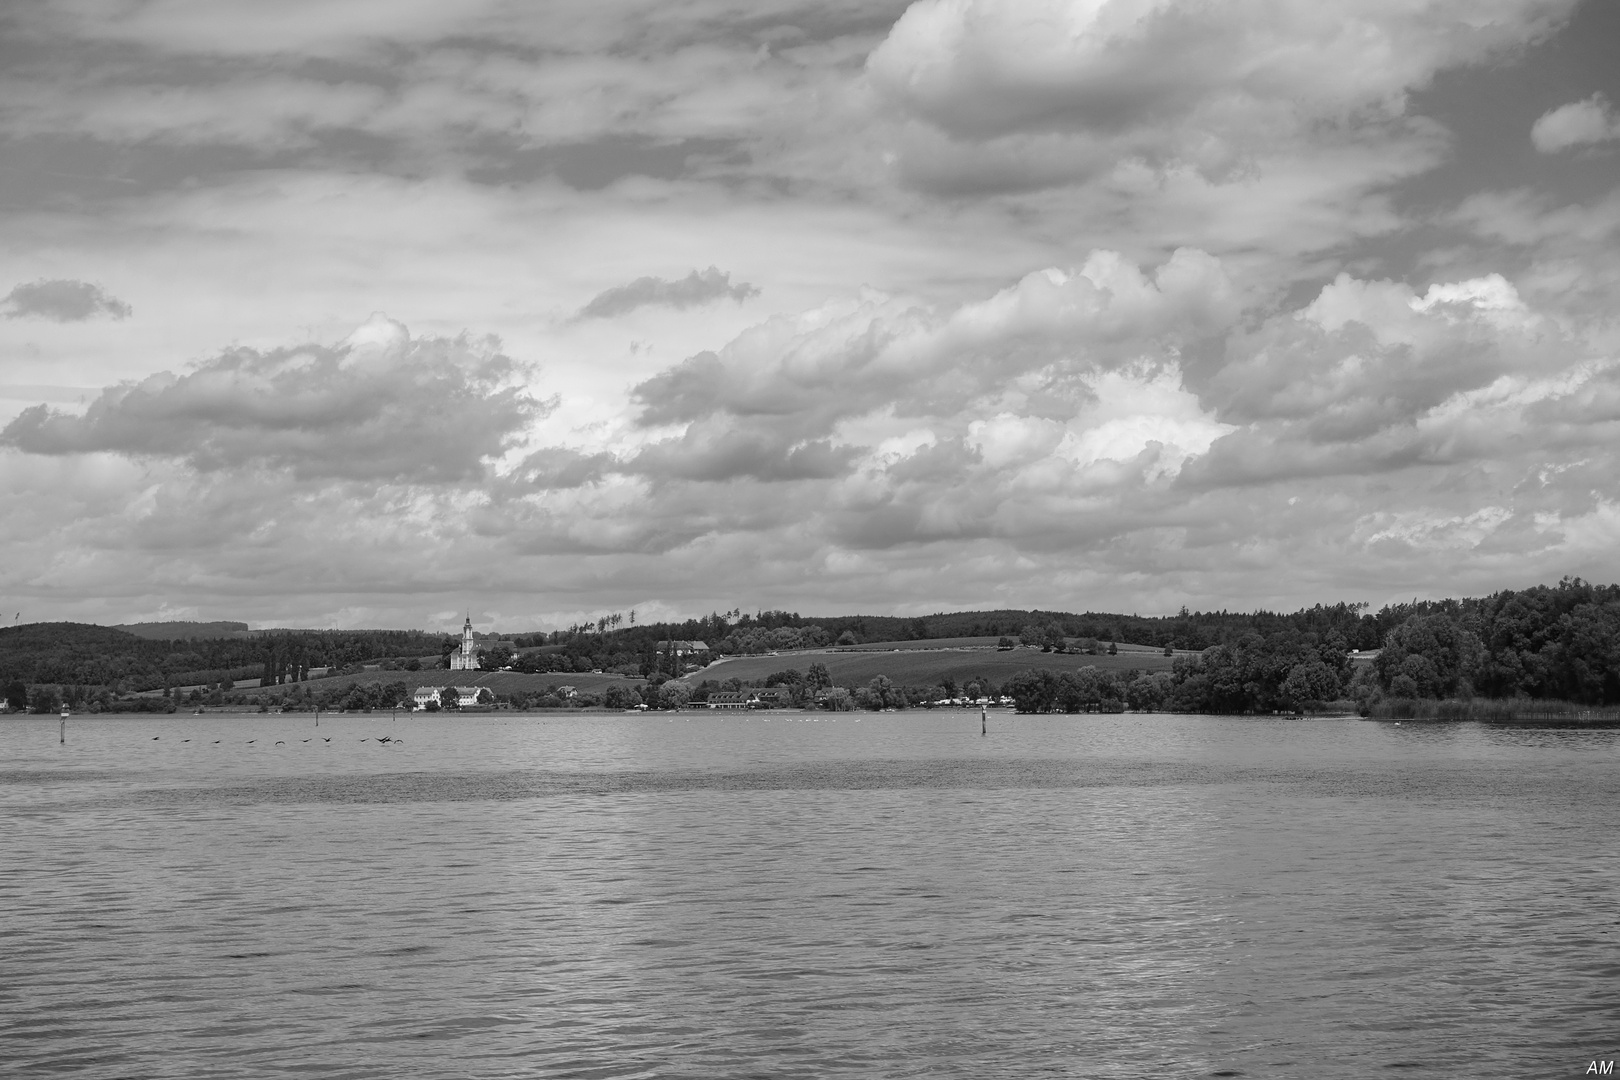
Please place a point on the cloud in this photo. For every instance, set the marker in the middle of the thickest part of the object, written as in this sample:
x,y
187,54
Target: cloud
x,y
1580,123
1374,379
694,290
1168,81
800,373
1101,435
62,300
1097,364
378,406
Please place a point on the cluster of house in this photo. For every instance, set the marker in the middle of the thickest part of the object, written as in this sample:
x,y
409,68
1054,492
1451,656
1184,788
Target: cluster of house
x,y
764,698
466,696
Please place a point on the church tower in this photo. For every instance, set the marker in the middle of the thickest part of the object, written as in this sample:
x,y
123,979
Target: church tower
x,y
466,658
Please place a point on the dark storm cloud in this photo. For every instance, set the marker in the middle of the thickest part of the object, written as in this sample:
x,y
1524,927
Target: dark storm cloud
x,y
62,300
430,411
695,289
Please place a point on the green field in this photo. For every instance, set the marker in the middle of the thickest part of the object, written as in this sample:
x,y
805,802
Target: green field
x,y
924,644
907,663
922,666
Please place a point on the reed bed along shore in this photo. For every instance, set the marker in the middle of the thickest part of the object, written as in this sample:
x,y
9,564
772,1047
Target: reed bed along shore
x,y
1498,711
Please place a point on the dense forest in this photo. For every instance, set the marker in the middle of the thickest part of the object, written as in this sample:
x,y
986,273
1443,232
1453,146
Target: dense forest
x,y
1547,642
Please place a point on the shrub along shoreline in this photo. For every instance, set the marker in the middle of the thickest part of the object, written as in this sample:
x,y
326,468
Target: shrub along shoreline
x,y
1496,711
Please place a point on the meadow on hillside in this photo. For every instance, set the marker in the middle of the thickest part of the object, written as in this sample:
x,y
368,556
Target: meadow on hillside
x,y
928,667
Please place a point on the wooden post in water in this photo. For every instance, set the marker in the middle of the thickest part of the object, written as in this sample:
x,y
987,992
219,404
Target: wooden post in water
x,y
64,731
984,720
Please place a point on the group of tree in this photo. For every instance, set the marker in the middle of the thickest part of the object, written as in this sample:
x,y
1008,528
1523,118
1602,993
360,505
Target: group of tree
x,y
1052,637
1548,642
1543,643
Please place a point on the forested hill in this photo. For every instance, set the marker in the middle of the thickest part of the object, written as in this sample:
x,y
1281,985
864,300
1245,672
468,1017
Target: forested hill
x,y
735,632
79,654
184,631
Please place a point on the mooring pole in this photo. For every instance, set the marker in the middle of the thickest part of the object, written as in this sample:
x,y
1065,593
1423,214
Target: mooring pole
x,y
984,720
64,731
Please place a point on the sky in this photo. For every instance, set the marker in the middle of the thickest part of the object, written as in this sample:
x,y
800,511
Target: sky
x,y
360,313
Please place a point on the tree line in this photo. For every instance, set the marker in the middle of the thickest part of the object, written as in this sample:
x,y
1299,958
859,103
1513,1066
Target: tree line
x,y
1557,642
80,654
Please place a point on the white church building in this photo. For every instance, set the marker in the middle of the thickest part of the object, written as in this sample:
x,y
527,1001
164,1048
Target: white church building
x,y
465,658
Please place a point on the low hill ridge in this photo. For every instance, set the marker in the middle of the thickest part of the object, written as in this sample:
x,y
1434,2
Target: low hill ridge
x,y
184,630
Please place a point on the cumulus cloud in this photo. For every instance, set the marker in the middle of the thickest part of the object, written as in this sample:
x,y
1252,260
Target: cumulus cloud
x,y
1373,378
62,300
1580,123
846,359
378,406
695,289
1076,85
1103,433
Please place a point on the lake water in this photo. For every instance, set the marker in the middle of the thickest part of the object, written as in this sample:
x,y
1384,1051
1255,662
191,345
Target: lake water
x,y
871,896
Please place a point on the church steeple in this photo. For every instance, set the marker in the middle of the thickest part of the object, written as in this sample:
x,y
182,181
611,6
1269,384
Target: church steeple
x,y
466,659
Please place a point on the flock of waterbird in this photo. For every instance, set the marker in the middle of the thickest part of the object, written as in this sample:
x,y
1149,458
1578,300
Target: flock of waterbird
x,y
385,740
381,740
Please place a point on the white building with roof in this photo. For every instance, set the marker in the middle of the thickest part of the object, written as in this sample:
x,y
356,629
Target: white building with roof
x,y
466,696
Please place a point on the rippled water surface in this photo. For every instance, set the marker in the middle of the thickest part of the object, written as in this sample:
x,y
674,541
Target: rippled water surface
x,y
883,896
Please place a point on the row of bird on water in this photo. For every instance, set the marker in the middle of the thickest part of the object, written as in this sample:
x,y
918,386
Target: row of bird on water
x,y
386,740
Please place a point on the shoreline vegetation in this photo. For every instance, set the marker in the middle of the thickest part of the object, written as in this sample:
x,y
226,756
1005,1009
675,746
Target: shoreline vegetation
x,y
1487,711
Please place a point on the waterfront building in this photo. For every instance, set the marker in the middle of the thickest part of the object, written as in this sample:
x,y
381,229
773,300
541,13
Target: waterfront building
x,y
465,696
